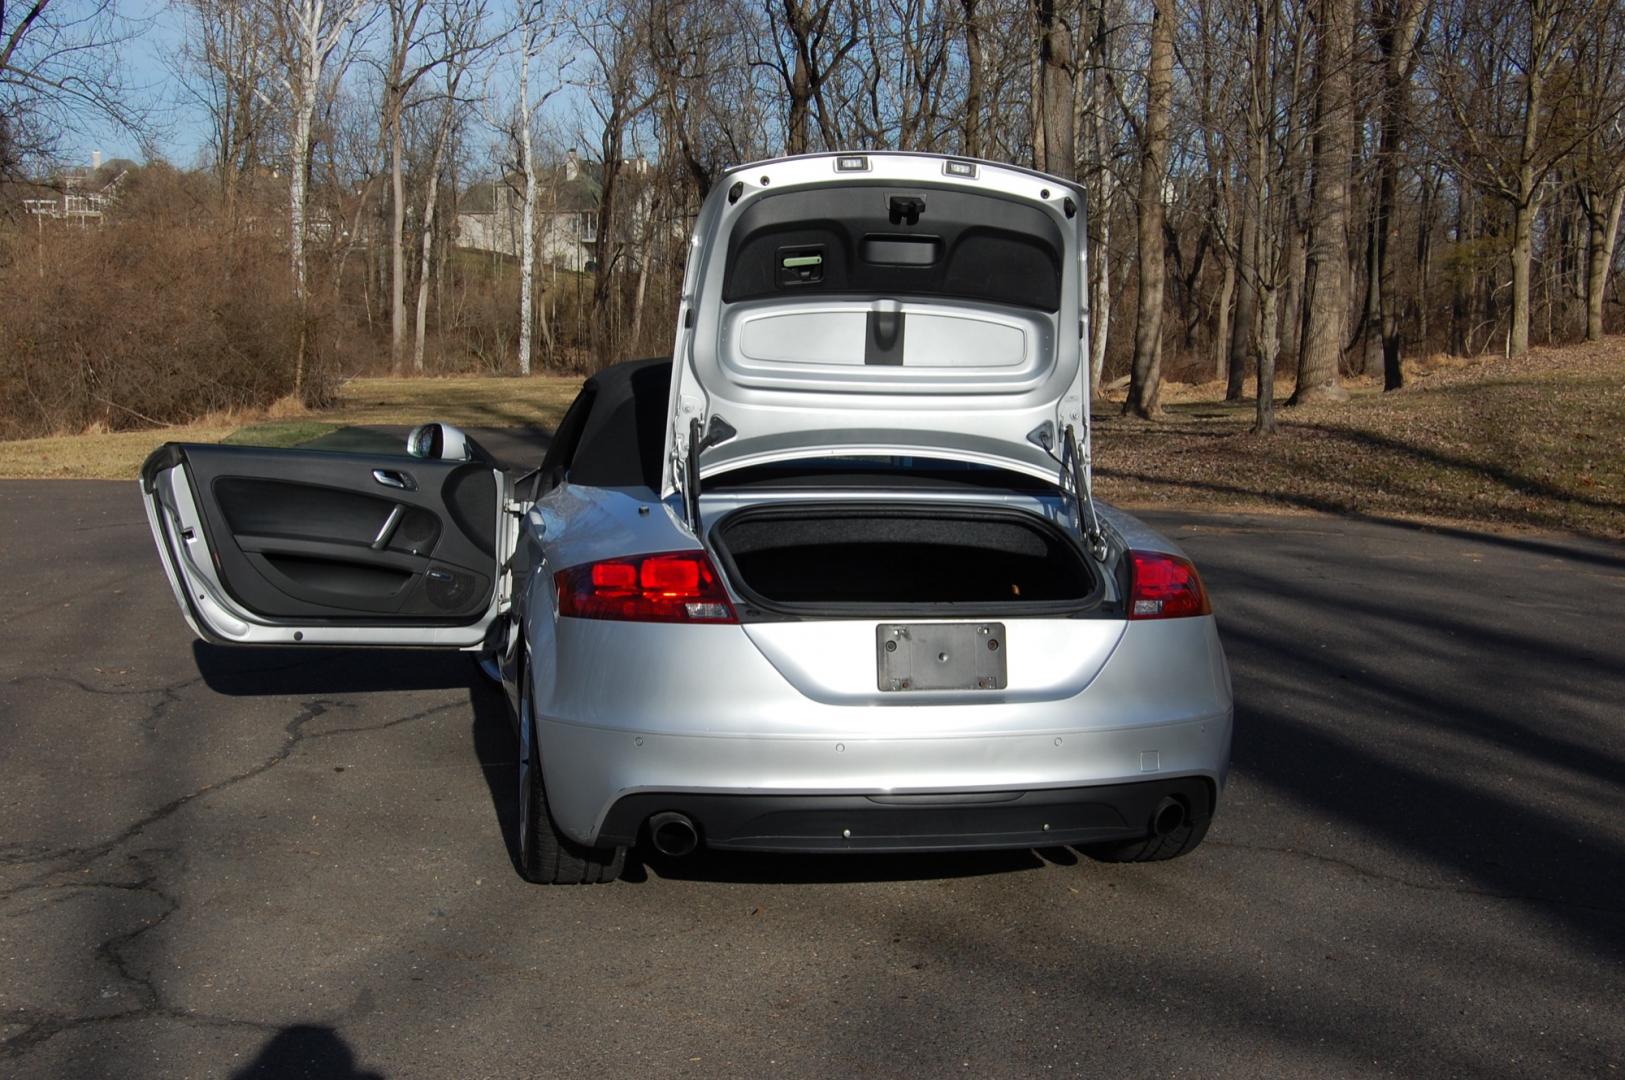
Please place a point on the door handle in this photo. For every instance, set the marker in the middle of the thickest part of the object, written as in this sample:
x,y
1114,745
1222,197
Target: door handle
x,y
382,539
395,478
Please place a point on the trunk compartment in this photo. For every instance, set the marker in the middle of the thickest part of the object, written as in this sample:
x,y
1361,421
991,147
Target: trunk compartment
x,y
941,560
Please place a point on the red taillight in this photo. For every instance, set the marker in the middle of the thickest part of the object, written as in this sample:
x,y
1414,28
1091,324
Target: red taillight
x,y
678,586
1164,587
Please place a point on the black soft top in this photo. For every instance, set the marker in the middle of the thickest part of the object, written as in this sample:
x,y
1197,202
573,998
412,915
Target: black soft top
x,y
614,434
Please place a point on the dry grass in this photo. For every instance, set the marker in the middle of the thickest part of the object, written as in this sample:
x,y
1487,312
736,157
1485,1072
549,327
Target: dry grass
x,y
465,401
1532,443
1535,442
114,455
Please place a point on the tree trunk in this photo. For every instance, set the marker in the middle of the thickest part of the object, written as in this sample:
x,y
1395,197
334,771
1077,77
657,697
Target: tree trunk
x,y
1244,332
1145,379
397,248
1268,343
297,179
1602,233
1103,192
973,79
1326,271
1221,318
800,92
605,303
1035,101
429,200
527,241
1523,258
1055,65
1370,355
1396,39
1100,308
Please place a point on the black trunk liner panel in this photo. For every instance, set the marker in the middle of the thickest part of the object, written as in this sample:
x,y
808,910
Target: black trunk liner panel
x,y
901,557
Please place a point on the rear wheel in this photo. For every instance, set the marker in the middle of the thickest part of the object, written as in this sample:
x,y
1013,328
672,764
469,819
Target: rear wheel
x,y
546,855
1175,830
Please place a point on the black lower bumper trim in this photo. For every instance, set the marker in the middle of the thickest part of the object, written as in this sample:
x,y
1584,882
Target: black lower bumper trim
x,y
933,822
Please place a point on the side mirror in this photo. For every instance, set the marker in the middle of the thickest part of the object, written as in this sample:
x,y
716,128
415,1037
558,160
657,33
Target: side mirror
x,y
444,443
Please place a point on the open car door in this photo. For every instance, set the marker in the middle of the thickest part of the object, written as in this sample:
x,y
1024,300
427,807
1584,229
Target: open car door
x,y
306,547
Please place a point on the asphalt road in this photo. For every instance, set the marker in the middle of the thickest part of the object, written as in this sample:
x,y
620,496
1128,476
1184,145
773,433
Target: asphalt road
x,y
247,864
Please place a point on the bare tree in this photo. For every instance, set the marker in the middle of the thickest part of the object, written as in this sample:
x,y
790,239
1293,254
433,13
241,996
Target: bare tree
x,y
1600,168
533,36
811,40
1398,25
307,33
1326,275
1053,135
618,92
975,63
1496,64
1103,134
226,64
59,66
458,45
1145,380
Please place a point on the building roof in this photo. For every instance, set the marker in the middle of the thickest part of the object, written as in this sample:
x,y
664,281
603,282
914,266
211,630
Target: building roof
x,y
558,194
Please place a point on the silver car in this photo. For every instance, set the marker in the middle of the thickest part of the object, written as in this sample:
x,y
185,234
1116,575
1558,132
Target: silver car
x,y
830,579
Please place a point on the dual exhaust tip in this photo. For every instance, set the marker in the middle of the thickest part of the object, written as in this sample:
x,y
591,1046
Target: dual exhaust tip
x,y
674,835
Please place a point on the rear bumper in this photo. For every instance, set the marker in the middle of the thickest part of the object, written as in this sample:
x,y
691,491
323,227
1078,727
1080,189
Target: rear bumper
x,y
630,715
894,823
598,779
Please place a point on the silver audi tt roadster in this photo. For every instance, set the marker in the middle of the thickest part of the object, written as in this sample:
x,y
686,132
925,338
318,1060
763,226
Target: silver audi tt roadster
x,y
831,578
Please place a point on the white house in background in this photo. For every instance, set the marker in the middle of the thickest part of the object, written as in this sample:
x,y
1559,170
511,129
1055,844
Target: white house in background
x,y
490,214
81,196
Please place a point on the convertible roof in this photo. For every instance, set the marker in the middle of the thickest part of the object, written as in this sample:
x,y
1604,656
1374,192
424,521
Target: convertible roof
x,y
623,439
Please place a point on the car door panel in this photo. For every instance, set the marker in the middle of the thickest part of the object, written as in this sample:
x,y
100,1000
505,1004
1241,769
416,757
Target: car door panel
x,y
344,548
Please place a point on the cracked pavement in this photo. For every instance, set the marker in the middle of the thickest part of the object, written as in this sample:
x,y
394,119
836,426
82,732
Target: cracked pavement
x,y
221,862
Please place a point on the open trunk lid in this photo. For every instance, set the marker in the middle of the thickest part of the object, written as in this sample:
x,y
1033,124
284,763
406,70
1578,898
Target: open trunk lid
x,y
883,305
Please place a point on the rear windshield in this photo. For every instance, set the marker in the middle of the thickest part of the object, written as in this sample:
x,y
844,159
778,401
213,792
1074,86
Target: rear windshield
x,y
893,241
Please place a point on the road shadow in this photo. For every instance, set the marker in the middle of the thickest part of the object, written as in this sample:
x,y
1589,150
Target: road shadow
x,y
856,868
305,1052
1598,551
1461,716
237,671
495,746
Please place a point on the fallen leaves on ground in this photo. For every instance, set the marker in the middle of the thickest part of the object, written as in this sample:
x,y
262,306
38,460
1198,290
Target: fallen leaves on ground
x,y
1534,442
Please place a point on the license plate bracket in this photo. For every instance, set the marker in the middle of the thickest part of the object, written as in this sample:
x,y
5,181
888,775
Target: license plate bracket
x,y
940,656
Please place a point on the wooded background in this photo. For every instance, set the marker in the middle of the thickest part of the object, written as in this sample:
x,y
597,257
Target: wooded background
x,y
1315,188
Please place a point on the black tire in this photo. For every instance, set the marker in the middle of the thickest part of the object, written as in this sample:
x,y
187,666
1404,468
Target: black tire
x,y
1154,848
546,856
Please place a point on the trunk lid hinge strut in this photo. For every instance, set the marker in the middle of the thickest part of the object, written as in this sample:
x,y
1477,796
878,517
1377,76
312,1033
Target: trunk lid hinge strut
x,y
1083,493
717,431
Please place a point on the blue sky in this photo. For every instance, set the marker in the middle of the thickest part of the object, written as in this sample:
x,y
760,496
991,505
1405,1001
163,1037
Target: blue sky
x,y
143,59
180,126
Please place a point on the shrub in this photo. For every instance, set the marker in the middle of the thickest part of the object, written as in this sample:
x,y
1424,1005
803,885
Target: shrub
x,y
156,317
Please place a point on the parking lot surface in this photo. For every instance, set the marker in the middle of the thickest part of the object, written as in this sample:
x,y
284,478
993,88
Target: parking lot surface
x,y
221,862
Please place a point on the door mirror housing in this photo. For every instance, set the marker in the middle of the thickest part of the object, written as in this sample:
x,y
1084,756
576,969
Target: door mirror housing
x,y
442,442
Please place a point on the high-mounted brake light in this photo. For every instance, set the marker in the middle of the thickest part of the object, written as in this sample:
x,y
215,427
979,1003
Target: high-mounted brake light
x,y
1164,586
677,586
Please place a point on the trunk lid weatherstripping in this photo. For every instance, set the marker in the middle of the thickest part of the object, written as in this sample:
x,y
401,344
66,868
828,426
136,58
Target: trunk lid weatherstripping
x,y
902,310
